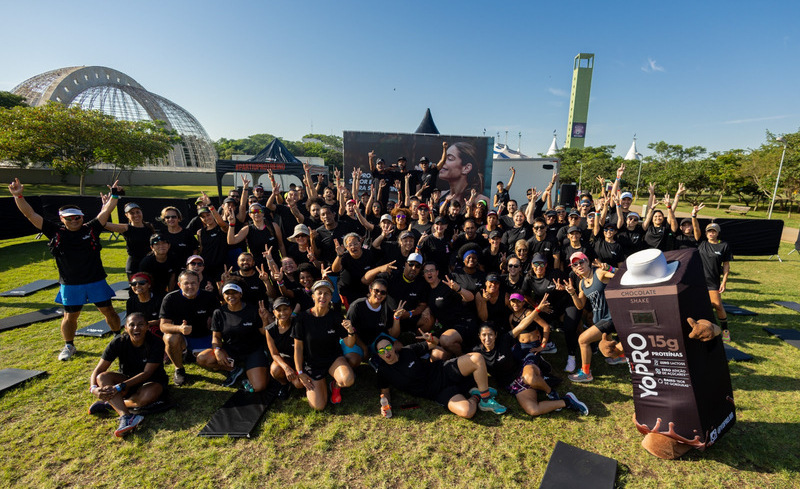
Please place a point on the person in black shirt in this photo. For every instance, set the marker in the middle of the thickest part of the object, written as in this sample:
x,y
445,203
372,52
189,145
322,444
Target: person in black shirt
x,y
281,346
319,334
446,301
521,230
501,196
608,250
253,287
544,245
186,321
444,382
160,265
182,242
522,378
436,247
237,343
428,177
631,234
142,300
353,262
141,379
370,316
137,236
659,231
76,248
690,234
260,235
716,257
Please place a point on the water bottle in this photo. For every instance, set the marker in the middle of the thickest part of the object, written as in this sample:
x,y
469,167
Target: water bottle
x,y
247,386
386,408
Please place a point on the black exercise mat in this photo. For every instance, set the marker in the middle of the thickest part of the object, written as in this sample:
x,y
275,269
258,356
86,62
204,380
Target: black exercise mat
x,y
791,336
738,311
30,288
737,355
571,467
239,415
30,318
100,328
794,306
10,377
122,290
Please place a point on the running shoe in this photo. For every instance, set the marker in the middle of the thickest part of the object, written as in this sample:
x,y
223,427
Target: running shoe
x,y
336,392
232,377
726,337
570,364
477,392
553,395
128,423
490,404
574,404
67,352
285,391
581,376
99,407
550,347
616,361
180,377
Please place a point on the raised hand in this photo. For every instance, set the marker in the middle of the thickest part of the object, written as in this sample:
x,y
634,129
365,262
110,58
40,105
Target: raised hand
x,y
620,170
348,326
452,284
651,188
681,189
340,249
401,312
245,182
204,198
15,188
703,329
262,311
428,337
390,267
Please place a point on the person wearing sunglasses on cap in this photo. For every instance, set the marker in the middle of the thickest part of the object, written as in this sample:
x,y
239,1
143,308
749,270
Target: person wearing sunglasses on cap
x,y
142,299
137,234
75,245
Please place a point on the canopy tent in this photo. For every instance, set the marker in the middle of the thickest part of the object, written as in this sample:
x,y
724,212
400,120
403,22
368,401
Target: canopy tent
x,y
427,126
274,157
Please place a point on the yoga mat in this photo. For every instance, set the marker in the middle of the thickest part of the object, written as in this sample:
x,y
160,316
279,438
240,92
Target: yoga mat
x,y
30,318
791,336
100,328
30,288
570,467
10,377
239,415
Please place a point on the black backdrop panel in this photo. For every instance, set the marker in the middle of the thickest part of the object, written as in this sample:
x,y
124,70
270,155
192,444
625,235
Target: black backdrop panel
x,y
569,191
14,224
749,237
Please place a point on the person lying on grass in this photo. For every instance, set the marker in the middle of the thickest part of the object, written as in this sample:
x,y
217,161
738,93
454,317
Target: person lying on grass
x,y
141,379
445,382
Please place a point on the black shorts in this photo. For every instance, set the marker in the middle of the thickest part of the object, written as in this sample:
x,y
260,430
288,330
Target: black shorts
x,y
453,382
256,359
318,371
606,327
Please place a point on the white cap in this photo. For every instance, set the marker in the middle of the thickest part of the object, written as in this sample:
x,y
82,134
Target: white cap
x,y
626,195
228,287
386,217
70,212
415,257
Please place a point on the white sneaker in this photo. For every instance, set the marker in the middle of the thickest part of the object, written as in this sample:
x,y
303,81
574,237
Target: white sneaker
x,y
570,364
67,352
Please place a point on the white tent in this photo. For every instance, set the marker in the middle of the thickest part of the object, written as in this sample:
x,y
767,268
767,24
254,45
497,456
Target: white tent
x,y
633,153
501,151
553,146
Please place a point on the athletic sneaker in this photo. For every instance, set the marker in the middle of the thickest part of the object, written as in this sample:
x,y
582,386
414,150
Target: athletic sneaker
x,y
99,407
581,376
570,364
550,347
553,395
477,392
616,361
336,392
490,404
232,377
67,352
573,403
726,337
127,423
285,391
180,377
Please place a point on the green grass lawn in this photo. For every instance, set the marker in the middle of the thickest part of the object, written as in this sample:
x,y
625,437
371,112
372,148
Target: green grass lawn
x,y
164,192
49,440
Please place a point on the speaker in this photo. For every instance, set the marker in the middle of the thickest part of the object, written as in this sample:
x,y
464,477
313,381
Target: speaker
x,y
568,193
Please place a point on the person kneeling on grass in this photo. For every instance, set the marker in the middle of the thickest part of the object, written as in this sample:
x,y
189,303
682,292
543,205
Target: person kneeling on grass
x,y
141,379
237,342
445,382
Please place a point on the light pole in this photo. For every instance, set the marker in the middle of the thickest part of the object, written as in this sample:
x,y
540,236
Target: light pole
x,y
777,180
580,175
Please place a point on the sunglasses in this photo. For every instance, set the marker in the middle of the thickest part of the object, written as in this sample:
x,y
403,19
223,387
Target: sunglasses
x,y
513,266
414,265
379,291
170,217
134,283
401,216
382,351
256,211
72,218
578,263
609,229
197,263
539,264
539,227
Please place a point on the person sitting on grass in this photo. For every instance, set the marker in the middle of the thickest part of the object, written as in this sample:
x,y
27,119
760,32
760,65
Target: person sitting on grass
x,y
522,379
75,245
141,379
445,382
237,342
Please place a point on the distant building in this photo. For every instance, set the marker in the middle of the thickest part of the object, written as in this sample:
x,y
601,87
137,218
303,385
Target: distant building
x,y
579,100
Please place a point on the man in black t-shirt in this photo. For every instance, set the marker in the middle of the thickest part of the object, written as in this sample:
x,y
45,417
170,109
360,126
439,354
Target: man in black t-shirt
x,y
75,244
161,266
186,321
141,379
428,177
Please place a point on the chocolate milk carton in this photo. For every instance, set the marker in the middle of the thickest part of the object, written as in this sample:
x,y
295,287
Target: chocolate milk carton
x,y
681,386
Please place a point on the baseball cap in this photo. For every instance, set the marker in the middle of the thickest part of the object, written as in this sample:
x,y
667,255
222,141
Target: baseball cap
x,y
713,226
573,229
156,238
72,211
415,257
281,301
193,258
130,206
493,277
406,234
626,195
320,284
386,217
233,287
577,256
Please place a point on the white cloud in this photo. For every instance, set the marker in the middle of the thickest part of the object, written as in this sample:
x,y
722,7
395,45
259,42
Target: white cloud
x,y
652,66
757,119
558,92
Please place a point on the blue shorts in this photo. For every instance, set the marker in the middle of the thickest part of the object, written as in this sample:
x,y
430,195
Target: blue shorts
x,y
196,345
354,349
78,295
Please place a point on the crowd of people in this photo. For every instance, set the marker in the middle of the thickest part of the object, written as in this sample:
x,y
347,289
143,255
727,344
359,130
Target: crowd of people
x,y
442,295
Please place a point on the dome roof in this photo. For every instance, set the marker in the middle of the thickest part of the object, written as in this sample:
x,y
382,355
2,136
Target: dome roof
x,y
117,94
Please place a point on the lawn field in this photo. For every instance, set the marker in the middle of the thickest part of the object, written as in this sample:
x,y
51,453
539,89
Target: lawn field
x,y
49,440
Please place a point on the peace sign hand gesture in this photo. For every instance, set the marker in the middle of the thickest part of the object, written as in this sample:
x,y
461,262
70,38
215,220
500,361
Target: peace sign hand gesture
x,y
431,340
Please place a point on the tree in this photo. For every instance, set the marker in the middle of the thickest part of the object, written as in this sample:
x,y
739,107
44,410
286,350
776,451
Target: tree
x,y
9,100
585,164
330,149
725,174
673,164
73,140
761,168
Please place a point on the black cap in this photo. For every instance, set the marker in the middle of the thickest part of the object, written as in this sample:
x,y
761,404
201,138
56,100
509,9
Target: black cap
x,y
424,159
538,257
229,200
156,238
493,277
402,158
573,229
379,160
551,212
281,301
495,234
440,220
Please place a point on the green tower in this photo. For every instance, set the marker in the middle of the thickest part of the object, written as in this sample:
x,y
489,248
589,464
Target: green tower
x,y
579,100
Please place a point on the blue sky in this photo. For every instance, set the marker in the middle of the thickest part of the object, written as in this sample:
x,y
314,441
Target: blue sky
x,y
713,73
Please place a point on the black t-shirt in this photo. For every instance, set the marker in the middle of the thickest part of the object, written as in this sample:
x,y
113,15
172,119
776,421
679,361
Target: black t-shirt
x,y
150,309
431,178
162,273
547,247
502,197
213,247
446,305
325,242
285,219
412,374
420,229
659,237
258,240
240,330
513,235
132,359
353,270
283,341
368,323
461,239
536,288
631,240
196,312
513,287
713,256
77,253
436,250
137,240
500,362
490,262
182,244
390,251
610,253
320,337
683,241
255,290
400,289
568,250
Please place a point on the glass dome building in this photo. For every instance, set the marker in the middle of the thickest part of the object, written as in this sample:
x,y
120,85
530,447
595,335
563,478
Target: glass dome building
x,y
115,93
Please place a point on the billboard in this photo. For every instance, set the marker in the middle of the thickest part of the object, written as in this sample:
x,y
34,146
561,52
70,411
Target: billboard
x,y
469,158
